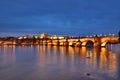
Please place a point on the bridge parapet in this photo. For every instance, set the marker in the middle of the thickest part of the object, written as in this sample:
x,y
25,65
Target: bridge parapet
x,y
86,39
109,38
105,40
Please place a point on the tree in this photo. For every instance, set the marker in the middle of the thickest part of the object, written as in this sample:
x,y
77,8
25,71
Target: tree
x,y
119,39
119,34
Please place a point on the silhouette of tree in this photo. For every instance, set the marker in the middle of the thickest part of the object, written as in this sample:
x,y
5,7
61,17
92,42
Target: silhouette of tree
x,y
119,36
119,39
119,33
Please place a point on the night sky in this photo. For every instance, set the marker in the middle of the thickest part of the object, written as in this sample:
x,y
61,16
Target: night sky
x,y
61,17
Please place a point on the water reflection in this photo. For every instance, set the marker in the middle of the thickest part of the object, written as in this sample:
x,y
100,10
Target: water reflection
x,y
118,66
8,50
64,62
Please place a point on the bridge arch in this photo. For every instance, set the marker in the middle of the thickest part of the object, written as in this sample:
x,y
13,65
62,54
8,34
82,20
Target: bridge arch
x,y
107,42
104,44
88,43
78,44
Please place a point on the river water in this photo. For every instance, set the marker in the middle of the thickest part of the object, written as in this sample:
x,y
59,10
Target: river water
x,y
59,63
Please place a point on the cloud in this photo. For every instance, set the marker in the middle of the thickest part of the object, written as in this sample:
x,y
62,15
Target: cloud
x,y
62,16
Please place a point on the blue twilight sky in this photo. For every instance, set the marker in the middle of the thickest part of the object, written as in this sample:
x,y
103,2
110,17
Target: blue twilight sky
x,y
62,17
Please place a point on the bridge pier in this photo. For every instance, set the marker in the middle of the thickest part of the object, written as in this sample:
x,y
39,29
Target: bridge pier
x,y
66,43
45,42
49,42
97,44
71,44
97,41
78,44
56,43
61,43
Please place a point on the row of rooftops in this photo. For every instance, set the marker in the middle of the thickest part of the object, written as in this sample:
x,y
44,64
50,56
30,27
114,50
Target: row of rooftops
x,y
43,35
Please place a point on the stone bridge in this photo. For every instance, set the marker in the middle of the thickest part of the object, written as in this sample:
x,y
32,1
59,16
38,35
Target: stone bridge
x,y
87,41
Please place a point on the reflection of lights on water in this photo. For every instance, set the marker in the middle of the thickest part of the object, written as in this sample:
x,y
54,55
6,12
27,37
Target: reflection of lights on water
x,y
77,50
104,55
71,50
108,59
71,53
102,59
55,50
9,50
99,58
62,55
83,50
13,53
48,50
89,54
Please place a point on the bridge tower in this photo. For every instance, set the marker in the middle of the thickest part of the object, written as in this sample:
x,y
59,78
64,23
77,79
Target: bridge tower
x,y
97,41
66,43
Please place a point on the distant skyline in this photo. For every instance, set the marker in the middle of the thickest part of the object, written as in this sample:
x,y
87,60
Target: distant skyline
x,y
60,17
